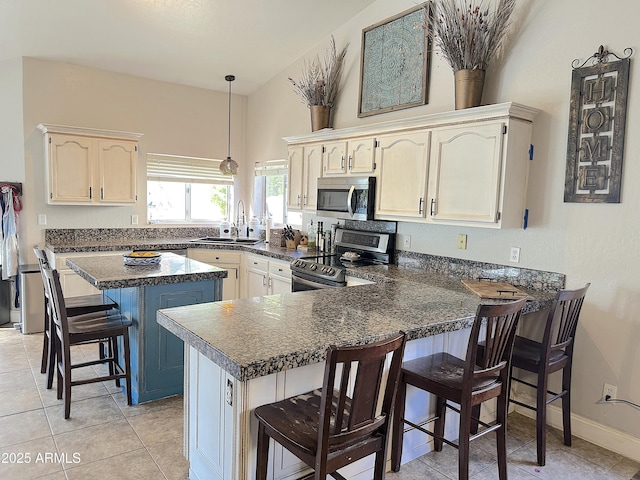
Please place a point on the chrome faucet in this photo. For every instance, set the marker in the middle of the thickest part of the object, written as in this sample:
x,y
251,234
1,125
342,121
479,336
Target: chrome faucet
x,y
240,219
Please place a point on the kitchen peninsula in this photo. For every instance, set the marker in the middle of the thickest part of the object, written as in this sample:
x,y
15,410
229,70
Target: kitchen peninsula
x,y
245,353
156,355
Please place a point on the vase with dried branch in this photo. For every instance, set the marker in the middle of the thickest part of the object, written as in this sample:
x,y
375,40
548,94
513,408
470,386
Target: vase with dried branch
x,y
469,35
319,84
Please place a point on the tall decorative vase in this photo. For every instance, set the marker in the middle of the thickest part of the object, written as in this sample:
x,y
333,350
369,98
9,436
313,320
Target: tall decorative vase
x,y
320,115
469,85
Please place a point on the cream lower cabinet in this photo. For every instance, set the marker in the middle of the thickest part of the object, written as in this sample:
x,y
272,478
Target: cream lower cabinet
x,y
266,276
305,166
401,189
229,260
478,174
90,167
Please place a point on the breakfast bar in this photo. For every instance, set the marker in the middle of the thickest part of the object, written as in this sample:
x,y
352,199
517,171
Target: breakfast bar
x,y
249,352
139,291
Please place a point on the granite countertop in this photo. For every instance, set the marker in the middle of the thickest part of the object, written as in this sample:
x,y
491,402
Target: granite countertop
x,y
291,330
108,271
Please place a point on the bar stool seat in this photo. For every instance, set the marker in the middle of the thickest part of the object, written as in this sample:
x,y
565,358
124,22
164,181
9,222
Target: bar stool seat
x,y
325,428
109,327
467,382
74,306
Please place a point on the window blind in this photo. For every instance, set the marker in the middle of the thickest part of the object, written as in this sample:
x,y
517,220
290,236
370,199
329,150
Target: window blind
x,y
271,167
176,168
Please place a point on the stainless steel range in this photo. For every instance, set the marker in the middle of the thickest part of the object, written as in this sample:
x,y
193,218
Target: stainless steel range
x,y
352,248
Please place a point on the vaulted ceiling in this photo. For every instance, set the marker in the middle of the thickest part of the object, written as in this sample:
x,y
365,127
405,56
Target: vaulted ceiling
x,y
191,42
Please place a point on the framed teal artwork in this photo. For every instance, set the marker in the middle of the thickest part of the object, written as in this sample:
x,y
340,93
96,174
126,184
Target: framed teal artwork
x,y
395,63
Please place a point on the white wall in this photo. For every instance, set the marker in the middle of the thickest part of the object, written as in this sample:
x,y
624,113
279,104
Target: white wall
x,y
173,119
589,243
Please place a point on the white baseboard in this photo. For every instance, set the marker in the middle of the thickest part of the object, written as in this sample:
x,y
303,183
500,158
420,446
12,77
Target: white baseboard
x,y
602,435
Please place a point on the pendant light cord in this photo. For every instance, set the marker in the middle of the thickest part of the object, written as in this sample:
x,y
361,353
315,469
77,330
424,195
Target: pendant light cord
x,y
229,78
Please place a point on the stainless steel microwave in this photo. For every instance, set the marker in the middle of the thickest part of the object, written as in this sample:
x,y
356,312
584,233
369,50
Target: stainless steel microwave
x,y
347,197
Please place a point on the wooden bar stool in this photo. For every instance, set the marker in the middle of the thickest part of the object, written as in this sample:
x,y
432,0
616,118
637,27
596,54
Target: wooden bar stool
x,y
87,328
552,354
74,306
327,429
467,382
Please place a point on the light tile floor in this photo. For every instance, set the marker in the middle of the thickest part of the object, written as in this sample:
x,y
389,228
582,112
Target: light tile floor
x,y
106,439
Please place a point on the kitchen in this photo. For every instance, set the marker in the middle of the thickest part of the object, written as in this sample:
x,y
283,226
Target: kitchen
x,y
586,242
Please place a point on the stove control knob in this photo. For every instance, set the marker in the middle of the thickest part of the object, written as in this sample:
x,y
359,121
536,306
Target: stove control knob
x,y
313,267
330,271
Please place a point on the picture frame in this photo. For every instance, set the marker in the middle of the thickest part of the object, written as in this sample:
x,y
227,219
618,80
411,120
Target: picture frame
x,y
394,63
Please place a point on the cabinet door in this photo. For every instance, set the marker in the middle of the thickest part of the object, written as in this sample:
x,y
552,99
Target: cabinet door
x,y
256,283
117,164
230,261
402,185
334,162
361,156
231,284
312,170
296,167
70,169
465,173
279,277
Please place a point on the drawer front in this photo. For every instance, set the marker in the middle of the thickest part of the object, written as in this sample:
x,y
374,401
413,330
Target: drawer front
x,y
214,256
280,268
257,262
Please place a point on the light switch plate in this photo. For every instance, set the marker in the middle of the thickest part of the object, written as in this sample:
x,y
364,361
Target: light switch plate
x,y
42,219
407,241
462,241
134,219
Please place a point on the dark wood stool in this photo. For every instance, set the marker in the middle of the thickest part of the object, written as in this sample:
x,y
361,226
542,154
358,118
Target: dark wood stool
x,y
467,382
327,429
553,353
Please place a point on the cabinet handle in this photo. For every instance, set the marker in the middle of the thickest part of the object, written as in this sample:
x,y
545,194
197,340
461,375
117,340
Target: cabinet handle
x,y
101,193
342,163
420,206
298,199
349,166
269,282
90,193
304,200
255,263
217,258
264,281
433,206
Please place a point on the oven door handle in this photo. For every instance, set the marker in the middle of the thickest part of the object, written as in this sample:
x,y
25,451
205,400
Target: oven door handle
x,y
309,283
350,199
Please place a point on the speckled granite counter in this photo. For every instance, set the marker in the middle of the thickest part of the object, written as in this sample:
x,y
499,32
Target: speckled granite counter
x,y
108,272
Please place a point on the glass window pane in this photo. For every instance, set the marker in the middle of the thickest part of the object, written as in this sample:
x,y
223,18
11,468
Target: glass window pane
x,y
165,201
276,197
208,202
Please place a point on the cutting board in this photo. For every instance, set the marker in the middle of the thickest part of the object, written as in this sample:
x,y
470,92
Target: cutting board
x,y
493,289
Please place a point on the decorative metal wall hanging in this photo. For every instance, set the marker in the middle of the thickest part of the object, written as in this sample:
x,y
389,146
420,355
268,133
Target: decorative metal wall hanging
x,y
394,63
597,117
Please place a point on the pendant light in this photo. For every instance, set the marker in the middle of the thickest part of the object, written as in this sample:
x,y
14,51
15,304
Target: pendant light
x,y
229,166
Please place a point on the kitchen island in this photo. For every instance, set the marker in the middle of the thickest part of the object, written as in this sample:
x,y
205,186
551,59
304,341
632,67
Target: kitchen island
x,y
157,356
245,353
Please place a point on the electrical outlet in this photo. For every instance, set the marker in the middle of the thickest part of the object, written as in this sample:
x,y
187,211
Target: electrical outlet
x,y
609,391
134,219
515,255
462,241
407,241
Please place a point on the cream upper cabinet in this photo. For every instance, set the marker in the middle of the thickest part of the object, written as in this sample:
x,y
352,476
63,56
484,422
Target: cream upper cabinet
x,y
478,174
296,170
355,156
403,160
335,161
465,167
305,166
90,167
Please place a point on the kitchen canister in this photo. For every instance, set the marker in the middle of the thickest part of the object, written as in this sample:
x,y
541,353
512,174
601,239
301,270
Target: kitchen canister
x,y
225,229
254,228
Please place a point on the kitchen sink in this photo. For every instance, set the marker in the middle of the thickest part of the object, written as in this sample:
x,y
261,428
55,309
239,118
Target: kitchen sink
x,y
226,240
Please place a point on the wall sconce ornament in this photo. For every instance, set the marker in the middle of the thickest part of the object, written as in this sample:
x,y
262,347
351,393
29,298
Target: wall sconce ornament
x,y
597,118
